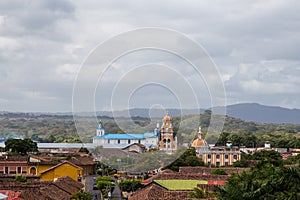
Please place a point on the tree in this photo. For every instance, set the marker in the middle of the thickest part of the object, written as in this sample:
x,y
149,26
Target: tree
x,y
105,184
272,157
268,182
222,139
81,195
249,140
219,171
198,193
130,185
20,146
241,163
50,139
188,158
236,140
83,149
293,160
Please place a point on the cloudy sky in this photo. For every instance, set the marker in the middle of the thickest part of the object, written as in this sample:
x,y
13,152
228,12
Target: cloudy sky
x,y
255,45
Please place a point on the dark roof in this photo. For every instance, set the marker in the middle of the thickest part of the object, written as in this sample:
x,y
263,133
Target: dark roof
x,y
14,158
82,160
136,144
61,189
68,184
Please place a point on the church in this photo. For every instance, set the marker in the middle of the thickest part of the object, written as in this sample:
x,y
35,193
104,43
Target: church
x,y
217,156
161,138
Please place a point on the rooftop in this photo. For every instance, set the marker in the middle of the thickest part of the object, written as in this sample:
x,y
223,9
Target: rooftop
x,y
179,184
127,136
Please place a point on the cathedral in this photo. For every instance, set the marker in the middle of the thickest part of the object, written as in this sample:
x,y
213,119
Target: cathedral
x,y
161,138
218,156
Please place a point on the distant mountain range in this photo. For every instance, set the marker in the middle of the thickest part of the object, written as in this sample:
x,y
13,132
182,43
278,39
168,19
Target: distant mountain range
x,y
263,114
245,111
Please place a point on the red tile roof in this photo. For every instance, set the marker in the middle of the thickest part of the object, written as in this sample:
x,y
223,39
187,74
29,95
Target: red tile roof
x,y
216,182
12,195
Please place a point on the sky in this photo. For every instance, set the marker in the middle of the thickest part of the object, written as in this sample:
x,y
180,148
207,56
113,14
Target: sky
x,y
254,45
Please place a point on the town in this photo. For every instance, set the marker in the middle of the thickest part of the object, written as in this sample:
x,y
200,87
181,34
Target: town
x,y
109,167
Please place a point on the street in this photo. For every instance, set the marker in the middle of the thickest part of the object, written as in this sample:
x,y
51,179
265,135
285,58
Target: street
x,y
89,188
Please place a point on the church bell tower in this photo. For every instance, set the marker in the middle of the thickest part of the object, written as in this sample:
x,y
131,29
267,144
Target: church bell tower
x,y
100,129
167,141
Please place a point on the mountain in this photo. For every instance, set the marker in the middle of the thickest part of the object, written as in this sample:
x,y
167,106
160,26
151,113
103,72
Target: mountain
x,y
149,113
263,114
246,111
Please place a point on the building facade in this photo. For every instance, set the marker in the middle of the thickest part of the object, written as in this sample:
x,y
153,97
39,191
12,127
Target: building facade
x,y
161,138
114,140
167,140
65,168
15,165
216,156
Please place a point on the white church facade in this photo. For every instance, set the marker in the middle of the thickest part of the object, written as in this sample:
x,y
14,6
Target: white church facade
x,y
161,138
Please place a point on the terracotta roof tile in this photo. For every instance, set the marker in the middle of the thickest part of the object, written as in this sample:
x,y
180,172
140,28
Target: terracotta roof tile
x,y
12,195
82,160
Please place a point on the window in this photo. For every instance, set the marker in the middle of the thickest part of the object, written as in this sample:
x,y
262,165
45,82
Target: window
x,y
19,170
6,170
128,141
217,164
139,141
119,141
218,156
108,141
208,156
32,170
226,156
235,156
226,164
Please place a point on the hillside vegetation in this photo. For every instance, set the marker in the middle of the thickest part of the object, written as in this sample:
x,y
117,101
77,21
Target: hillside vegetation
x,y
51,128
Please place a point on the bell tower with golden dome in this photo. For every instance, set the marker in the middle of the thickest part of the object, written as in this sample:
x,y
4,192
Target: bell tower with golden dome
x,y
167,141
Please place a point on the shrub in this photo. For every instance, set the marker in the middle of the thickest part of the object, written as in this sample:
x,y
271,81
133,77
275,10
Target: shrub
x,y
219,171
21,179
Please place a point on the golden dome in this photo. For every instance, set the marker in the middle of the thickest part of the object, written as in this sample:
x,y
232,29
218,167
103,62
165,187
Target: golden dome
x,y
199,143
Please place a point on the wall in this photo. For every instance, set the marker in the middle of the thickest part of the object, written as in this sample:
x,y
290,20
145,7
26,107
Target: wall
x,y
40,168
65,169
205,170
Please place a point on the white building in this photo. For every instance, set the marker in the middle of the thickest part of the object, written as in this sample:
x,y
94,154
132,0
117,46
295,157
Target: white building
x,y
161,138
114,140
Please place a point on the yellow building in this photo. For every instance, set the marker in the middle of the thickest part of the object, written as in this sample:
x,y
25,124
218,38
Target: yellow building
x,y
36,164
215,156
65,168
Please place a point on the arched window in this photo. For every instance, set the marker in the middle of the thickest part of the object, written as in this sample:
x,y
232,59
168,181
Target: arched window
x,y
32,170
169,143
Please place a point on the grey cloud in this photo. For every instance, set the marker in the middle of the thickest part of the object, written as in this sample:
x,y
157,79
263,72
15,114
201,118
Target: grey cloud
x,y
40,38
